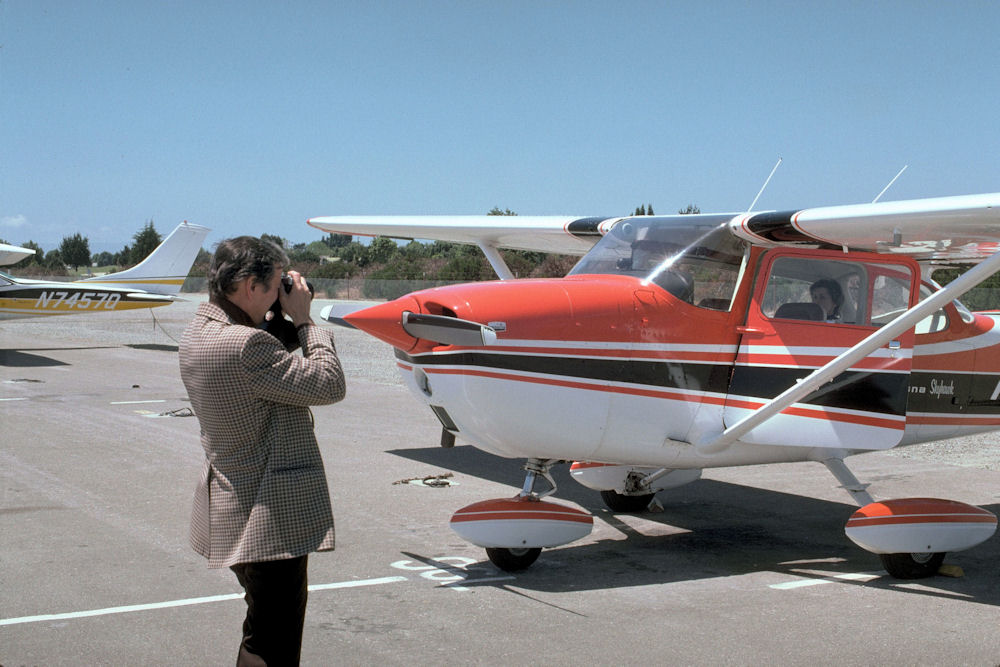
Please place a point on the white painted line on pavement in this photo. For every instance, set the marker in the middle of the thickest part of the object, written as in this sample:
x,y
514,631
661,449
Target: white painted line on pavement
x,y
181,603
832,579
356,584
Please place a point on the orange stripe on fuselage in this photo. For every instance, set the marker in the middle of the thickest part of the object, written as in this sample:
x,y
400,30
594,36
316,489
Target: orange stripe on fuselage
x,y
664,355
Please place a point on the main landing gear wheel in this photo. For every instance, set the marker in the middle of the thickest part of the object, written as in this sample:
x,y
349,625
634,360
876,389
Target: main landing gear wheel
x,y
912,566
512,560
619,502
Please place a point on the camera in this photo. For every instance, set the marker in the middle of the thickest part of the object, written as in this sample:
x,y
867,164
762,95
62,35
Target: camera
x,y
288,283
278,326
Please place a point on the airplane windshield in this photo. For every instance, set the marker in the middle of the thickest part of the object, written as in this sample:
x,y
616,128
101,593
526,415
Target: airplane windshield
x,y
694,257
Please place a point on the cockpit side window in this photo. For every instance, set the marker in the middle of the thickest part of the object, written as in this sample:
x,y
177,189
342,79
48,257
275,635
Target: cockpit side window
x,y
837,291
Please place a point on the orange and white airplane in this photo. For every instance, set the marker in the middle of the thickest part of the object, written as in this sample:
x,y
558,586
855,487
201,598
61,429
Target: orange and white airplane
x,y
153,282
685,342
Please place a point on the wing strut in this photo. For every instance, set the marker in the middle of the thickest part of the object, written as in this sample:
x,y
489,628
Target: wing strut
x,y
496,260
836,366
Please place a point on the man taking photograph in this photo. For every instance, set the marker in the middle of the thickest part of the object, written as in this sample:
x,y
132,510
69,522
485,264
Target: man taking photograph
x,y
262,503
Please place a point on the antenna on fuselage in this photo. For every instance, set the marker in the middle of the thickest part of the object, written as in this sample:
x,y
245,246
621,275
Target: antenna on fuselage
x,y
890,183
774,169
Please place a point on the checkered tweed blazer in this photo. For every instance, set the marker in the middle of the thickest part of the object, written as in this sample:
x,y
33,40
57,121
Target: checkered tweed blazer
x,y
262,494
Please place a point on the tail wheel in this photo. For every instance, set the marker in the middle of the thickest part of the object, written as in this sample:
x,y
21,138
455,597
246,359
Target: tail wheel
x,y
912,566
619,502
512,560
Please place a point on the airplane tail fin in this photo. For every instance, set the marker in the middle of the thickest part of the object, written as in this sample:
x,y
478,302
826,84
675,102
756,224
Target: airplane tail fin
x,y
164,271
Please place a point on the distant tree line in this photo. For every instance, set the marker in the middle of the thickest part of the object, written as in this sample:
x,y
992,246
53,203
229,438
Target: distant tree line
x,y
74,252
339,256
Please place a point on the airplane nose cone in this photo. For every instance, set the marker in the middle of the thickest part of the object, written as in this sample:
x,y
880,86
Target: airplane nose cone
x,y
385,322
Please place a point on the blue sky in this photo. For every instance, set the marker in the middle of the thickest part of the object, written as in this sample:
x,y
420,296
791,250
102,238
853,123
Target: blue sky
x,y
249,117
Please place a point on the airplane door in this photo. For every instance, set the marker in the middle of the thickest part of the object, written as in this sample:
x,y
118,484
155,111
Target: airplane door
x,y
808,308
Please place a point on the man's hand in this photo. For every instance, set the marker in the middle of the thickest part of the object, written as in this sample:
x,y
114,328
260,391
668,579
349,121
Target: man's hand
x,y
296,304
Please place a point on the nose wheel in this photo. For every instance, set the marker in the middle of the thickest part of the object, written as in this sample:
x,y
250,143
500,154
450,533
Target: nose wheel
x,y
513,560
912,566
619,502
516,559
515,530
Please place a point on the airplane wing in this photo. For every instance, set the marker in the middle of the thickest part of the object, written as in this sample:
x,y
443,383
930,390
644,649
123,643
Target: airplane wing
x,y
12,254
942,229
571,235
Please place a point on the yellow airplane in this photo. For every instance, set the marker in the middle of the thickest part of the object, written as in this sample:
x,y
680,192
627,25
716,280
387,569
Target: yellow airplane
x,y
153,282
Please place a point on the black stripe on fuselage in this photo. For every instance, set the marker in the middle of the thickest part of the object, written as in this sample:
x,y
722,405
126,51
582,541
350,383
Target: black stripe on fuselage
x,y
667,374
953,393
36,292
883,393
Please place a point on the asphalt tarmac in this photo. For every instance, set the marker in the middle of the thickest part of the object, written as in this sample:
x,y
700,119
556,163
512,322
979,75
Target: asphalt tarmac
x,y
746,566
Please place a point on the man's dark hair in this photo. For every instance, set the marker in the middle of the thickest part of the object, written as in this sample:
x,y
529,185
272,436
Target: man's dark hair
x,y
239,258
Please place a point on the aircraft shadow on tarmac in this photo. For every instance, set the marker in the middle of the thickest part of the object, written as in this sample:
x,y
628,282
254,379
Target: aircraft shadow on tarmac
x,y
23,358
711,529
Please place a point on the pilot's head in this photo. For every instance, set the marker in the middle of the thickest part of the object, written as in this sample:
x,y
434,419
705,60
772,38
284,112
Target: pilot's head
x,y
826,293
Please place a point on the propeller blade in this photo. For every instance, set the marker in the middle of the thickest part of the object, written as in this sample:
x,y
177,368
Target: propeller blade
x,y
448,330
336,314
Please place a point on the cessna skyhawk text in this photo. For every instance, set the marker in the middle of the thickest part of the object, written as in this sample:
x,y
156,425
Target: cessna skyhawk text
x,y
685,342
153,282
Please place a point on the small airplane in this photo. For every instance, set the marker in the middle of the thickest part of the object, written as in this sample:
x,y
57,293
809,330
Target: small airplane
x,y
153,282
684,342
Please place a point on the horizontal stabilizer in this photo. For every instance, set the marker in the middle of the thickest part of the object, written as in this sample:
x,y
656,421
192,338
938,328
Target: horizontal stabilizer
x,y
146,296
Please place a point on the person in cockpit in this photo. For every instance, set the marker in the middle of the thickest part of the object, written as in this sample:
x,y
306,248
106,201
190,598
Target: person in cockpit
x,y
827,294
850,311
